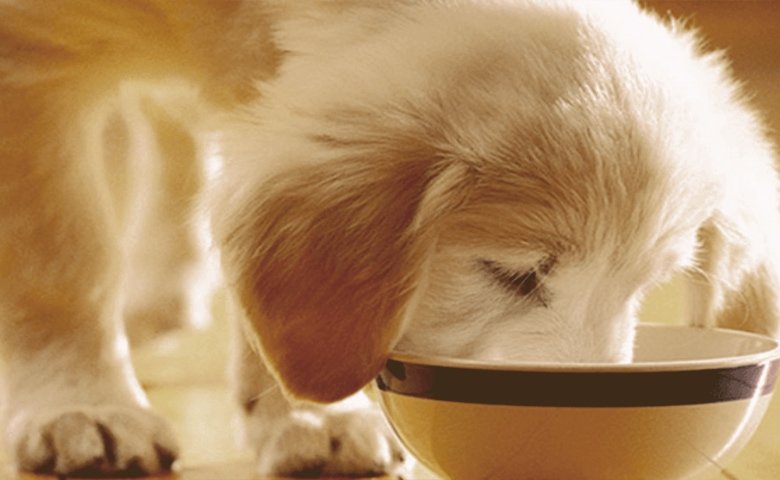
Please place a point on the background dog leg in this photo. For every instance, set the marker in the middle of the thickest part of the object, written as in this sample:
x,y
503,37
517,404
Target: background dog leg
x,y
292,439
170,280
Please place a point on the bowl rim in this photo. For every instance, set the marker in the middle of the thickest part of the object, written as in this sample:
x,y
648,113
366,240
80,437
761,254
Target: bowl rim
x,y
772,352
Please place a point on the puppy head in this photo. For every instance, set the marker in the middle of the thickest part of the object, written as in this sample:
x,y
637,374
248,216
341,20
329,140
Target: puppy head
x,y
480,182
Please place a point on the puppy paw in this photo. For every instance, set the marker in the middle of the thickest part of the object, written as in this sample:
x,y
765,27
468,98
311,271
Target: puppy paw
x,y
321,443
92,441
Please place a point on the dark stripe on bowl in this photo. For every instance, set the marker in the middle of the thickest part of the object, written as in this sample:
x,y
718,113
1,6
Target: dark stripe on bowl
x,y
581,389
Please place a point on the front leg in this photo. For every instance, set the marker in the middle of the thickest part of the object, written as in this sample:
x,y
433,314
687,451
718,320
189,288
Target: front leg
x,y
302,439
73,404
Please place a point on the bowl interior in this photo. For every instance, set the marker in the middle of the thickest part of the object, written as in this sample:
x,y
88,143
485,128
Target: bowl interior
x,y
666,343
657,347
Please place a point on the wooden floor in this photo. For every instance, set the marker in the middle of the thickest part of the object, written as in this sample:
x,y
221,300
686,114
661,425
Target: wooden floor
x,y
185,377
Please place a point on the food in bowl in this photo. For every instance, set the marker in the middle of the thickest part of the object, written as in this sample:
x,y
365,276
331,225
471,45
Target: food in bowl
x,y
688,403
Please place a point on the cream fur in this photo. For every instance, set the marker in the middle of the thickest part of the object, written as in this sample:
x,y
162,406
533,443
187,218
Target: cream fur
x,y
390,171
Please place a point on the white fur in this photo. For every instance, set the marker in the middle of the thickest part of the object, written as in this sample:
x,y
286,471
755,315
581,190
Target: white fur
x,y
587,140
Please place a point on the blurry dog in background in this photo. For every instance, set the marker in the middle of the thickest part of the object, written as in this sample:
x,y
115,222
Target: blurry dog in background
x,y
484,179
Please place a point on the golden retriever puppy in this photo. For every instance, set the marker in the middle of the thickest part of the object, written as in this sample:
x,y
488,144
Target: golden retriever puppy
x,y
487,179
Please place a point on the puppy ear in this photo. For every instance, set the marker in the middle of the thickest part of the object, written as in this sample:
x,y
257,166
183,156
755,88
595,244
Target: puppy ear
x,y
736,282
326,261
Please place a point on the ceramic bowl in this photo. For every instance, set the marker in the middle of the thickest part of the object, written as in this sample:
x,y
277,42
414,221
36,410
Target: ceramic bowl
x,y
687,404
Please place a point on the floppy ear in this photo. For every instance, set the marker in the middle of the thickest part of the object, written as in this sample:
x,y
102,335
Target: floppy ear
x,y
736,282
326,260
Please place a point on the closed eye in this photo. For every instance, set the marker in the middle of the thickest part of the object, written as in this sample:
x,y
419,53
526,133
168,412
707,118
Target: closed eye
x,y
525,284
522,283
